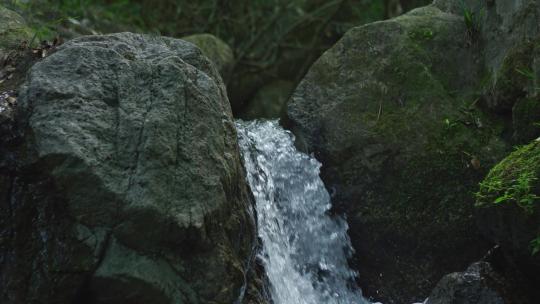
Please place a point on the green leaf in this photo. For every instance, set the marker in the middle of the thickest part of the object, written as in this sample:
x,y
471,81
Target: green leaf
x,y
500,199
526,72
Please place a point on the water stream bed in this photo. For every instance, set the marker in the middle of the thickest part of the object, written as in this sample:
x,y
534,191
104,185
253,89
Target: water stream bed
x,y
304,248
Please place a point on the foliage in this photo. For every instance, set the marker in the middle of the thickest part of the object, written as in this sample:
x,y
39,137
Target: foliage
x,y
529,74
239,23
514,180
271,39
472,17
54,17
535,245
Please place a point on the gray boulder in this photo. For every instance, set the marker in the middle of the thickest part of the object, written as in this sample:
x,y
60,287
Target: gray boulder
x,y
389,112
508,32
479,284
129,187
407,116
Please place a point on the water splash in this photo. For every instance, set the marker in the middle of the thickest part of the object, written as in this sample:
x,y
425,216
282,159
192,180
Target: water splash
x,y
304,249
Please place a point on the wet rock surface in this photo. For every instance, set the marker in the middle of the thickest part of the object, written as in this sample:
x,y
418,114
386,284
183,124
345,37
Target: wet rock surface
x,y
404,115
125,183
477,285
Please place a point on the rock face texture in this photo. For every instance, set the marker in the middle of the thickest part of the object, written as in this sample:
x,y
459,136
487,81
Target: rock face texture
x,y
404,116
216,50
479,284
509,32
128,186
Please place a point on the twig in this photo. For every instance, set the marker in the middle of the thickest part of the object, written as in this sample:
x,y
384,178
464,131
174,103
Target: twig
x,y
380,111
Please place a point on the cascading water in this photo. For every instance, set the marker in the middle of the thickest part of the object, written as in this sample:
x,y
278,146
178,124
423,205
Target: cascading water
x,y
304,249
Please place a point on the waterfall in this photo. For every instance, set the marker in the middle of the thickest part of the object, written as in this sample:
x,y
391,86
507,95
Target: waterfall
x,y
304,249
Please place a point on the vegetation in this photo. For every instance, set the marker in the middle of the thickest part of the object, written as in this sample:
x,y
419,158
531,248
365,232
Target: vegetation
x,y
514,181
256,29
270,39
471,17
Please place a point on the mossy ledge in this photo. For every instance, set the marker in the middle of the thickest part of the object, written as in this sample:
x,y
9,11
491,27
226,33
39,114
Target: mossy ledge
x,y
515,182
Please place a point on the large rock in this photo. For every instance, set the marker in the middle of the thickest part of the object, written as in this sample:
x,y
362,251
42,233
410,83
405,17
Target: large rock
x,y
391,112
508,33
129,186
509,211
479,284
216,50
13,30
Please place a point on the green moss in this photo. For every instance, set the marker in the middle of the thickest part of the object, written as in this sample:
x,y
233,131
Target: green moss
x,y
216,50
422,34
457,145
514,180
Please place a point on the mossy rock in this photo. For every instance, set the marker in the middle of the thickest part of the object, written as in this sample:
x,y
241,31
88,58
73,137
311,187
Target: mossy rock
x,y
512,191
390,111
508,204
13,30
515,79
216,50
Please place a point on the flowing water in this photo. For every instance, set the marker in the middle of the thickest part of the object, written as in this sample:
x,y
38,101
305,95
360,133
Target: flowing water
x,y
304,249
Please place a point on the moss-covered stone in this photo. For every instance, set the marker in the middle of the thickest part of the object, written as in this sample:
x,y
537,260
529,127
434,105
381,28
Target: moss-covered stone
x,y
13,29
515,181
509,210
515,79
391,112
216,50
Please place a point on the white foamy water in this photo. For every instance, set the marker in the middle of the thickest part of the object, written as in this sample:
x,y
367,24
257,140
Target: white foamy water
x,y
304,249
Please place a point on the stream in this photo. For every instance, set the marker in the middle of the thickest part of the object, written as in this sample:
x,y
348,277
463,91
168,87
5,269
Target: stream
x,y
304,248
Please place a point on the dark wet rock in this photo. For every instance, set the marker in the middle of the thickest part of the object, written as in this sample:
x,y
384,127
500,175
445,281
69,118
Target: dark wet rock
x,y
400,149
125,185
509,213
479,284
407,116
508,32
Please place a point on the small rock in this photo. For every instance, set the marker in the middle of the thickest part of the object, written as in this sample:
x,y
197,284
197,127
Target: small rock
x,y
216,50
479,284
